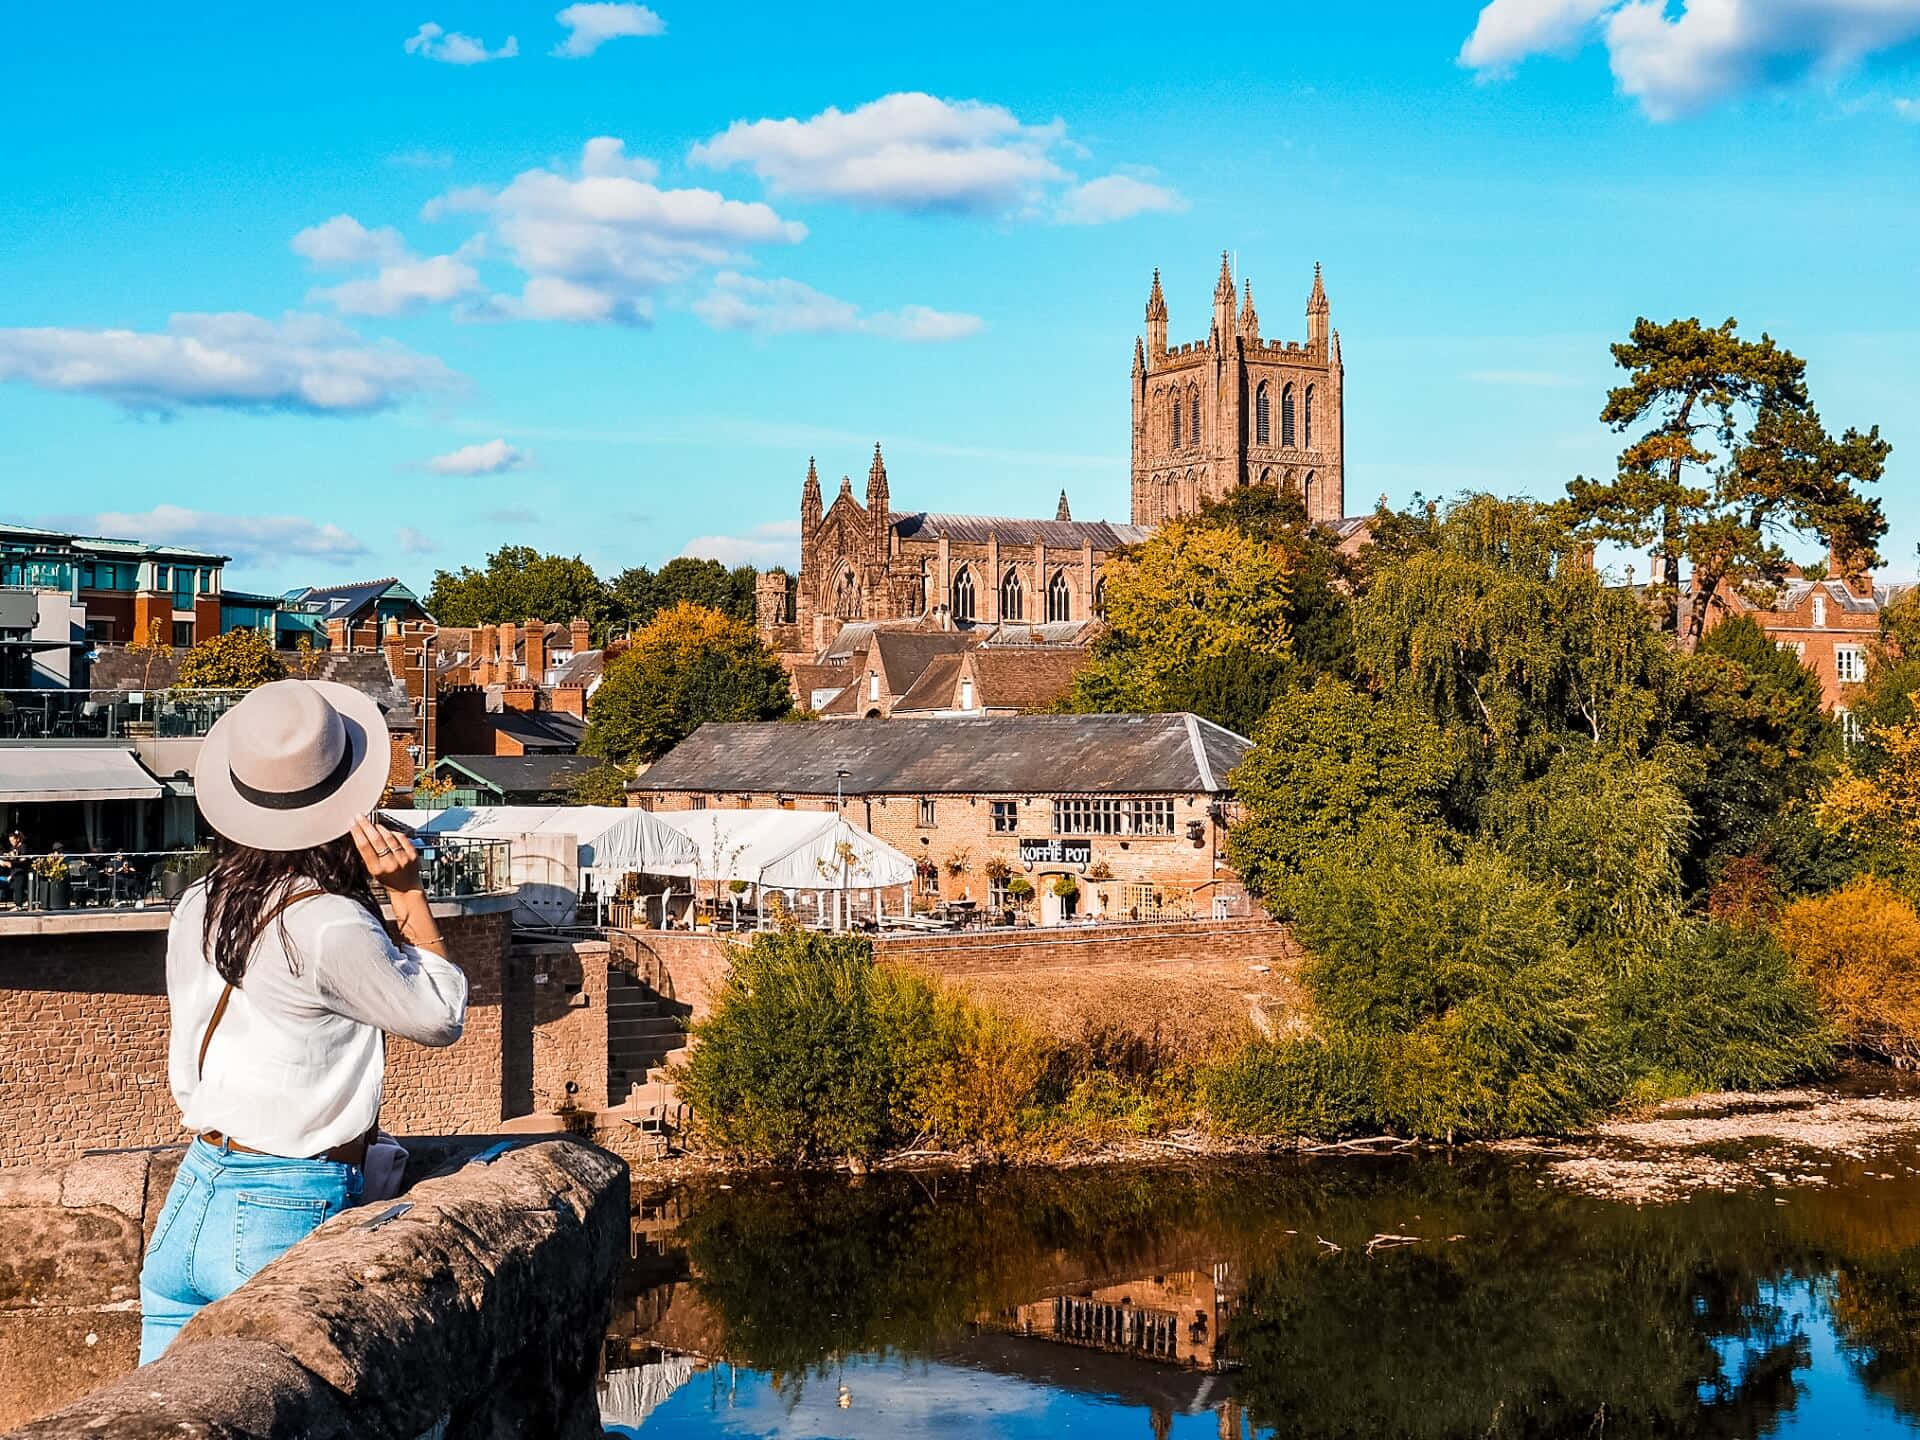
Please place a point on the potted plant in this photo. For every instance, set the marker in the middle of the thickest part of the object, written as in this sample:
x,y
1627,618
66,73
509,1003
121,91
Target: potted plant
x,y
52,870
1020,891
997,869
958,862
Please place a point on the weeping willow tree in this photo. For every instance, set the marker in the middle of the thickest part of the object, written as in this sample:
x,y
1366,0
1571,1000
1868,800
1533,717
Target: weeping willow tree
x,y
1494,621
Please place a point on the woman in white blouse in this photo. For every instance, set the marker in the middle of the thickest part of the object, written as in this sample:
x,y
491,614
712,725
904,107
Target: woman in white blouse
x,y
282,983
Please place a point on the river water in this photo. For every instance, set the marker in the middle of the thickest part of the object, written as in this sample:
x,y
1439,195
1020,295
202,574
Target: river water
x,y
1431,1296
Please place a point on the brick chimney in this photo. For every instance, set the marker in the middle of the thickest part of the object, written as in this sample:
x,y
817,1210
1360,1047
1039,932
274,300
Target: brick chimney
x,y
536,631
569,700
518,697
336,634
1844,565
486,645
395,646
509,647
580,635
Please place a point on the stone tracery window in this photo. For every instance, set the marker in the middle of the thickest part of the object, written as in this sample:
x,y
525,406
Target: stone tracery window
x,y
1306,420
846,595
1262,422
1012,596
1176,422
1059,599
1100,598
1286,415
1306,493
963,595
1193,418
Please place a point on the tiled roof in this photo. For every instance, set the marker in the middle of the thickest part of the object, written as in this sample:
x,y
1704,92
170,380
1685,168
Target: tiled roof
x,y
1052,633
582,669
1019,679
524,774
547,729
978,529
905,654
118,668
1013,754
934,689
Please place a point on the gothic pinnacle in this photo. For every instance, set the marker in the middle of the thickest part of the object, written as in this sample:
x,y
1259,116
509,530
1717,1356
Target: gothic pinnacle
x,y
1156,300
1318,300
1063,513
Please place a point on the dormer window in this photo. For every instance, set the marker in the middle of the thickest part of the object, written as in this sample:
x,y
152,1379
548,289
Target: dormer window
x,y
1819,611
966,694
873,685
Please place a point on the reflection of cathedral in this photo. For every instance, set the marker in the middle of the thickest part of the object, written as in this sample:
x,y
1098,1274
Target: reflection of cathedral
x,y
871,562
1176,1319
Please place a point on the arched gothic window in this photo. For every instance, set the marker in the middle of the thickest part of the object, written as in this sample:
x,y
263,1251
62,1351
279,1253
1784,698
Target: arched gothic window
x,y
1176,422
846,595
1100,598
1012,596
1193,419
963,595
1306,420
1059,599
923,591
1262,421
1306,493
1286,415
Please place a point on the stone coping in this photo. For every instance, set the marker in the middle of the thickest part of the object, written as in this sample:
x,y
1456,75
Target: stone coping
x,y
158,917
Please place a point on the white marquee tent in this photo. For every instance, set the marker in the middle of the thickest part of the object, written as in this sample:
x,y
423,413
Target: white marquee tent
x,y
794,851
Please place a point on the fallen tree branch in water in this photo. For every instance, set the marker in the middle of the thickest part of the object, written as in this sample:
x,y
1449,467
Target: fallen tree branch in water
x,y
1389,1242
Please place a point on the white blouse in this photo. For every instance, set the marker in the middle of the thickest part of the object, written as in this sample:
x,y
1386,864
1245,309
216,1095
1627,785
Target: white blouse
x,y
297,1063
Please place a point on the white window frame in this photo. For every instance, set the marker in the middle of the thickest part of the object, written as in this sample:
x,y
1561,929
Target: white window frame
x,y
1850,664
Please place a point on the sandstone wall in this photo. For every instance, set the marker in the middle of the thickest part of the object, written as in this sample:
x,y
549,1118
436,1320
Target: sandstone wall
x,y
478,1310
83,1039
1255,941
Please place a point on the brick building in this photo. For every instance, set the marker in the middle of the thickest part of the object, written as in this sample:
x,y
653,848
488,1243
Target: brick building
x,y
1129,811
1235,409
1830,624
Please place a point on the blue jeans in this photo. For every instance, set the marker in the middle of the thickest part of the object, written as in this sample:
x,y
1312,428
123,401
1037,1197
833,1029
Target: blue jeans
x,y
227,1216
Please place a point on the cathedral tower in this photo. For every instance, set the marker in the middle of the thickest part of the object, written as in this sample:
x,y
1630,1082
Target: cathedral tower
x,y
1235,409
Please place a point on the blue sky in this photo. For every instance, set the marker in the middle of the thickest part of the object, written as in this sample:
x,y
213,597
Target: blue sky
x,y
607,301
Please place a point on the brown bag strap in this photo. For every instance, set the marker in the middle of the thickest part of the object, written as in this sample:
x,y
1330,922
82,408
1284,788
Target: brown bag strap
x,y
220,1005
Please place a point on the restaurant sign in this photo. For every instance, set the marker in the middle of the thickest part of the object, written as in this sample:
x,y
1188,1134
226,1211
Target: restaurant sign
x,y
1056,852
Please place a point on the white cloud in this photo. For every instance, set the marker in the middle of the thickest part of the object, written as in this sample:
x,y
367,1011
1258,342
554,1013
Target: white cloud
x,y
236,361
413,542
779,307
249,539
1511,30
404,286
1677,64
1117,197
450,47
777,543
596,247
1907,109
491,457
343,240
591,26
906,151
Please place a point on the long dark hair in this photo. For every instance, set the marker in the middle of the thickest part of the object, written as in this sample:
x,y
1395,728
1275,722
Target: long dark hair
x,y
245,885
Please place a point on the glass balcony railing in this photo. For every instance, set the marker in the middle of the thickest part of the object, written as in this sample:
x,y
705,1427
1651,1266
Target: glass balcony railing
x,y
147,879
111,714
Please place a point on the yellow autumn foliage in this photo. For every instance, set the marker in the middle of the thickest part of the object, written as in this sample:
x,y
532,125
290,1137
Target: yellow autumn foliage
x,y
1860,946
1887,802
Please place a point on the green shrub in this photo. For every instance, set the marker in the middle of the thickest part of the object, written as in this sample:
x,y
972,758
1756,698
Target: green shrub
x,y
1717,1007
815,1052
1324,1088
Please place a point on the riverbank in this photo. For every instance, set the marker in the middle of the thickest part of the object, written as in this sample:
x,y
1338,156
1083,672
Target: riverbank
x,y
1725,1142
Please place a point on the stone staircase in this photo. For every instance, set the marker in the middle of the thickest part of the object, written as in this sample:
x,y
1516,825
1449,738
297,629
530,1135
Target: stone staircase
x,y
644,1032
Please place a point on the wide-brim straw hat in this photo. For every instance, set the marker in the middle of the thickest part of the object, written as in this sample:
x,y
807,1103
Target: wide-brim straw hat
x,y
292,765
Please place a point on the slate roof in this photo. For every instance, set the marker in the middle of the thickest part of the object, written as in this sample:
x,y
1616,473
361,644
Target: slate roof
x,y
995,755
118,668
514,775
349,600
905,654
583,669
978,529
546,729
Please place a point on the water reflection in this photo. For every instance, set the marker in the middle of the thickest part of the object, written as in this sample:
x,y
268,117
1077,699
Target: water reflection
x,y
1415,1298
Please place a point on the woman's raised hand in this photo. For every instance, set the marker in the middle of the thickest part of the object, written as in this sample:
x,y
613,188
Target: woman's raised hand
x,y
389,856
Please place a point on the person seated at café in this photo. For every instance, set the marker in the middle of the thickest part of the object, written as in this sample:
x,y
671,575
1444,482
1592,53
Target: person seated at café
x,y
15,867
121,876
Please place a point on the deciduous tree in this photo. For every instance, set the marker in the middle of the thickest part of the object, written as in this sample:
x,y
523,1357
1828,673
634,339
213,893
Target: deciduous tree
x,y
689,666
237,660
518,583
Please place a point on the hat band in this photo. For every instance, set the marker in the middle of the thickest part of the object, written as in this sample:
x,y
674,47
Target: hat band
x,y
296,799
